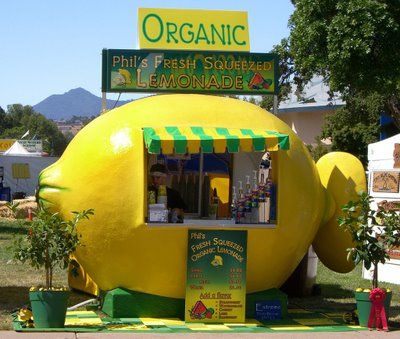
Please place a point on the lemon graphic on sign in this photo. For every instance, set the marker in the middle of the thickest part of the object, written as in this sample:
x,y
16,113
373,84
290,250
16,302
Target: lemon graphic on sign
x,y
105,168
218,261
127,75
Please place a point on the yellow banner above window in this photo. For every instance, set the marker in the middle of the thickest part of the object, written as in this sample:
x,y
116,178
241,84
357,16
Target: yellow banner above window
x,y
161,28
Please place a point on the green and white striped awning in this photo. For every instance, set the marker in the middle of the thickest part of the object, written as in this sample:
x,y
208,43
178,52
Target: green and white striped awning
x,y
181,140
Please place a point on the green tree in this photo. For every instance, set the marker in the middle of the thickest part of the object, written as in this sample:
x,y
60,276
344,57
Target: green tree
x,y
355,125
353,44
20,119
288,75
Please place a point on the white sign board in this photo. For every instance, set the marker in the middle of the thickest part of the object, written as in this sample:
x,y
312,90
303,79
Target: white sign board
x,y
33,146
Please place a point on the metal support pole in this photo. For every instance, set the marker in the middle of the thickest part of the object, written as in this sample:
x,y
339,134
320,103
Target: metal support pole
x,y
103,102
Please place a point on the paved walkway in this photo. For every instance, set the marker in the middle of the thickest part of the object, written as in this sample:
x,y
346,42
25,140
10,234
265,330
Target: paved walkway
x,y
325,335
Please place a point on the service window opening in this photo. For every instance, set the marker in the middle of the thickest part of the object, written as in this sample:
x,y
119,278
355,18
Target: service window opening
x,y
236,188
213,176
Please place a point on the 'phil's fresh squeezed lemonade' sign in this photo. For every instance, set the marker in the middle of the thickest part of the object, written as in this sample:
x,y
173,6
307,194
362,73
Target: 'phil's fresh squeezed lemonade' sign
x,y
216,276
193,29
189,71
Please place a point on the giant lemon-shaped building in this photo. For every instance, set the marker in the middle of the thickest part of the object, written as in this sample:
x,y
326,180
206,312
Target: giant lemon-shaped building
x,y
105,168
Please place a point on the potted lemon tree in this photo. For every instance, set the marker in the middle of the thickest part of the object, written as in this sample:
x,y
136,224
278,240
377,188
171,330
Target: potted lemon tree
x,y
48,244
374,233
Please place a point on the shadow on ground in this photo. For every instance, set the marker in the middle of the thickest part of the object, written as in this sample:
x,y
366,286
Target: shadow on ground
x,y
12,298
334,298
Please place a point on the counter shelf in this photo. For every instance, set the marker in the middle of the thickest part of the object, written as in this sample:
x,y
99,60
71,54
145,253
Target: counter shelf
x,y
208,223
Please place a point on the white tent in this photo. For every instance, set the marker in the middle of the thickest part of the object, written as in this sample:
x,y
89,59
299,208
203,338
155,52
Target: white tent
x,y
16,149
380,154
21,168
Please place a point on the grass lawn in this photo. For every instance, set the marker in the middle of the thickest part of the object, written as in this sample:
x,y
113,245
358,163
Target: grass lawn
x,y
16,279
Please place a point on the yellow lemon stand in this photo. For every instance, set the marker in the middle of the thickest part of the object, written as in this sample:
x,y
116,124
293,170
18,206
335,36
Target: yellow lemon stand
x,y
105,168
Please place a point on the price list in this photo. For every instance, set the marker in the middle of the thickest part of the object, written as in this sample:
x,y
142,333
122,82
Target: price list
x,y
216,276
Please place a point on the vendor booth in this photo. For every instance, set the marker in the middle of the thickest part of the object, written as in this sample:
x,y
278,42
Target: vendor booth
x,y
203,204
383,186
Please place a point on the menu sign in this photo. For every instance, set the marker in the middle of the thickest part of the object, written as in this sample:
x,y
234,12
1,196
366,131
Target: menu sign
x,y
216,276
385,182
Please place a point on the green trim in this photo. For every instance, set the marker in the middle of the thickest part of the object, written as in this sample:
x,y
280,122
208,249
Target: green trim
x,y
206,141
258,140
283,139
104,73
152,140
232,141
284,142
180,141
123,303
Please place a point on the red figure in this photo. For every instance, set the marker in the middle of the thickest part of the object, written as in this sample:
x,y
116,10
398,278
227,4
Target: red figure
x,y
377,314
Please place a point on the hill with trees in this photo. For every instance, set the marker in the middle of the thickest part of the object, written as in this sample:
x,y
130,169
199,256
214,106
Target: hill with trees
x,y
76,102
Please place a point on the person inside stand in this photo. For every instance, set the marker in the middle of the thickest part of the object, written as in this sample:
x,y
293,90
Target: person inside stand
x,y
175,203
265,165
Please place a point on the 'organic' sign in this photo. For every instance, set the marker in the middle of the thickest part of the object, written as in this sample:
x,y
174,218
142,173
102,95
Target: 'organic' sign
x,y
193,29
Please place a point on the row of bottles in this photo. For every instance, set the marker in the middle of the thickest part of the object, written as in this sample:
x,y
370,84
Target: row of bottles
x,y
254,205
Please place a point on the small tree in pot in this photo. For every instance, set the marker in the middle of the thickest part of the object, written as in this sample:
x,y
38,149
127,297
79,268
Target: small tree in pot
x,y
374,233
49,244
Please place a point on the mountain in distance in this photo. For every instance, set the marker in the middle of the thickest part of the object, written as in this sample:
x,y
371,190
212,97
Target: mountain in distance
x,y
78,102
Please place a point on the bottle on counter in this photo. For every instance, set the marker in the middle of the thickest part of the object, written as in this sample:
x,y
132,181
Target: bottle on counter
x,y
254,200
234,205
162,195
272,195
247,204
263,201
151,196
241,202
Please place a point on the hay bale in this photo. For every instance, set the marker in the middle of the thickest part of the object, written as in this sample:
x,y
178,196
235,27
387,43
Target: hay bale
x,y
22,209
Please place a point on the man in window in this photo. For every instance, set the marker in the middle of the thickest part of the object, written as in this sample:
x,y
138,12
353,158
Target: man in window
x,y
175,203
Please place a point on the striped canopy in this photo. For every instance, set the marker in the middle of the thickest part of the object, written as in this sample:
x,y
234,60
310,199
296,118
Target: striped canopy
x,y
181,140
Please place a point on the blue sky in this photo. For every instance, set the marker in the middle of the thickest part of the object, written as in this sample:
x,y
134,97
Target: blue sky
x,y
49,47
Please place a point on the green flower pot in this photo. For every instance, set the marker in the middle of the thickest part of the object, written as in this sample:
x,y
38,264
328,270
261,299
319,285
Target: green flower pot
x,y
364,306
49,308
